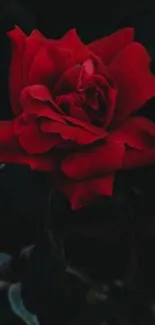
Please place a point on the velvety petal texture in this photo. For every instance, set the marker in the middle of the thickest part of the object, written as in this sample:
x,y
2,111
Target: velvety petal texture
x,y
108,47
135,81
10,151
74,110
82,193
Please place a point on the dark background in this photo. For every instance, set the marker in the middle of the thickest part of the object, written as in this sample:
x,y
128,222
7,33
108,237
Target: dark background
x,y
91,19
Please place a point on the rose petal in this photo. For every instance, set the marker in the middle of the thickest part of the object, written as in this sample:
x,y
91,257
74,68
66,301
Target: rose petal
x,y
32,47
32,139
18,39
89,67
42,69
72,42
39,92
71,105
83,193
34,102
135,82
79,132
108,47
37,34
111,104
137,132
68,132
11,152
99,132
49,63
57,56
67,81
6,134
135,158
102,159
35,99
18,156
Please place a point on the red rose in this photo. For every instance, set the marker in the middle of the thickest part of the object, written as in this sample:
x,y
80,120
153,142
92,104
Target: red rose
x,y
68,97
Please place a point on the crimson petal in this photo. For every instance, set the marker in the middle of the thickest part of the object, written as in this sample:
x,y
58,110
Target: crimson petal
x,y
134,158
99,132
68,132
43,68
18,39
35,100
137,132
135,82
37,34
72,42
83,193
108,47
36,162
49,63
32,139
94,162
32,46
11,151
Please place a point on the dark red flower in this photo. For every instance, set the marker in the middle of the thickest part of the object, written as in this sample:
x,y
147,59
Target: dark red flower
x,y
68,97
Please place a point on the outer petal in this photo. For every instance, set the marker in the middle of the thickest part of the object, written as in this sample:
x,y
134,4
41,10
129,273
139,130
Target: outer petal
x,y
137,133
32,139
83,193
134,158
72,42
103,159
74,133
57,56
36,99
141,136
37,34
32,46
107,48
135,82
18,39
11,151
36,162
6,134
49,63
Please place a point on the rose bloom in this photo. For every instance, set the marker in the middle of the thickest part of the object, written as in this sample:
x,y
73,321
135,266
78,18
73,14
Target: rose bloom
x,y
74,110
